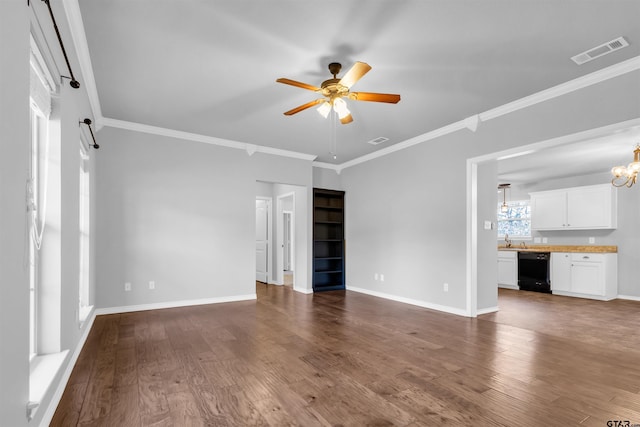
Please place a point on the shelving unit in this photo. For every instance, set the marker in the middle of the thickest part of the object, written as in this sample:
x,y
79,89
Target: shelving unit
x,y
328,240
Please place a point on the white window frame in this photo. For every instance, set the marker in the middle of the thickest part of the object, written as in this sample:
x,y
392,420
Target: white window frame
x,y
84,231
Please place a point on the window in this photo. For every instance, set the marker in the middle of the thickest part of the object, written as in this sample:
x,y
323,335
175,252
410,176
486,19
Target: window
x,y
84,199
37,187
516,221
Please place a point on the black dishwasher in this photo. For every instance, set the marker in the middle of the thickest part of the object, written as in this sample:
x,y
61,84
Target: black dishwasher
x,y
533,271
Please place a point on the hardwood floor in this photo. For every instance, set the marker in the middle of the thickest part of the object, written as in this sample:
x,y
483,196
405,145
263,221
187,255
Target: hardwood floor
x,y
343,358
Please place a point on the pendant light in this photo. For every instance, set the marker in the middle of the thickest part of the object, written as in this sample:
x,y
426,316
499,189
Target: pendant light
x,y
504,207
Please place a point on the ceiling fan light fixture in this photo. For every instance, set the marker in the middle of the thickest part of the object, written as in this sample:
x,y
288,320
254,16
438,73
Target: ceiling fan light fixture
x,y
324,109
340,107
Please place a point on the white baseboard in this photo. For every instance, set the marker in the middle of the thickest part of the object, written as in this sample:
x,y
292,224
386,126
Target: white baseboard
x,y
424,304
173,304
303,290
487,310
629,297
57,395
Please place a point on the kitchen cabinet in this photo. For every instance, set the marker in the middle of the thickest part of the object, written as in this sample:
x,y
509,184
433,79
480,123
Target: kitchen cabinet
x,y
508,269
578,208
585,275
560,272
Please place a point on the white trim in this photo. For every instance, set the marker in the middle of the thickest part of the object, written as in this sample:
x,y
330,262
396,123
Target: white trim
x,y
472,239
49,63
582,82
445,130
55,399
419,303
173,304
79,38
323,165
172,133
599,76
74,17
629,297
279,234
303,290
487,310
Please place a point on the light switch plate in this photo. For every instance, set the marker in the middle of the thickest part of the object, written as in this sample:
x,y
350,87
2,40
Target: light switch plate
x,y
488,225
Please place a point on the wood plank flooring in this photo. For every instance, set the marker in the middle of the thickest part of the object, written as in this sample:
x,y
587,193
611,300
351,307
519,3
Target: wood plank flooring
x,y
347,359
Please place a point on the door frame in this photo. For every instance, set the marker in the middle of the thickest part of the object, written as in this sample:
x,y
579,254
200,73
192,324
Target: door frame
x,y
472,195
292,240
269,201
279,277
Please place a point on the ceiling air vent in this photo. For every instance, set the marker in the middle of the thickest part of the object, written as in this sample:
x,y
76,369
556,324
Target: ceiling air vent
x,y
598,51
378,140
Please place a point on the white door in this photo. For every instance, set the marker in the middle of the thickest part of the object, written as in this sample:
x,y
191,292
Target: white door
x,y
286,228
262,240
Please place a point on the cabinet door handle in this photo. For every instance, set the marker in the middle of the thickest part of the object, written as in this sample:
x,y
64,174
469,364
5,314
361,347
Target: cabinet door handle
x,y
585,257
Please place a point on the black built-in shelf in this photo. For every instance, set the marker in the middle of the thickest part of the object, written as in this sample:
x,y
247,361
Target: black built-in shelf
x,y
328,240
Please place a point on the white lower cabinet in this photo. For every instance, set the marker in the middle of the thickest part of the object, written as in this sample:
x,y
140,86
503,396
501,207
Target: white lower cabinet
x,y
585,275
508,269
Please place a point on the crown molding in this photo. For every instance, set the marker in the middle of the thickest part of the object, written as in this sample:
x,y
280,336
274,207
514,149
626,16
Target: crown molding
x,y
616,70
74,16
565,88
172,133
79,38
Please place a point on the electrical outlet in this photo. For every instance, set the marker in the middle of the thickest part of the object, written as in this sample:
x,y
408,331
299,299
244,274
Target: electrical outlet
x,y
536,240
381,277
152,285
545,240
592,240
127,286
375,276
446,287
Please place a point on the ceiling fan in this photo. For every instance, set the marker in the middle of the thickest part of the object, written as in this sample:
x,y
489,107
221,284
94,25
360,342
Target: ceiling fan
x,y
335,89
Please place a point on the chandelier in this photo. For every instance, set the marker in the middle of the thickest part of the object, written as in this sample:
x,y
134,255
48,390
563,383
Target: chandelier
x,y
627,176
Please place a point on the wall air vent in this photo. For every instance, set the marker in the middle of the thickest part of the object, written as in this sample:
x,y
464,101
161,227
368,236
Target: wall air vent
x,y
378,140
598,51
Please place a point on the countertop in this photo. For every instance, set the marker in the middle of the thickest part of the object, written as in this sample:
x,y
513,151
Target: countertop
x,y
560,248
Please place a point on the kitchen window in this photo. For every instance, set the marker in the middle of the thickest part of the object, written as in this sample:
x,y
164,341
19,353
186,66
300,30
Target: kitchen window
x,y
516,221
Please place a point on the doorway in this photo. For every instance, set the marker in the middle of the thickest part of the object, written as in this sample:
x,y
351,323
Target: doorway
x,y
286,238
287,248
479,182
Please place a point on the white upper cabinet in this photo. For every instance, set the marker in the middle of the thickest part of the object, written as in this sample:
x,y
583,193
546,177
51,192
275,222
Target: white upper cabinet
x,y
578,208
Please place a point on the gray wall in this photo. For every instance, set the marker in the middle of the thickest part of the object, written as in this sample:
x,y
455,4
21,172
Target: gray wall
x,y
326,178
626,236
73,106
179,213
406,212
487,259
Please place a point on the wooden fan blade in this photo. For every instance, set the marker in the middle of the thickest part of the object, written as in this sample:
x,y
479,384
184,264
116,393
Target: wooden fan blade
x,y
304,107
347,119
298,84
354,74
375,97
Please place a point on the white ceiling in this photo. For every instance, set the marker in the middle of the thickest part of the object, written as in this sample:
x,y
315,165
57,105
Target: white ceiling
x,y
209,66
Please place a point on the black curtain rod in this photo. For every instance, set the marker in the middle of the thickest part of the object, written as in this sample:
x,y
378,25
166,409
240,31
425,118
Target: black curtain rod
x,y
88,123
73,83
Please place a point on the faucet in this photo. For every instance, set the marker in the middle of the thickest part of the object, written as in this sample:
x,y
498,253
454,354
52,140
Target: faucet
x,y
507,240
